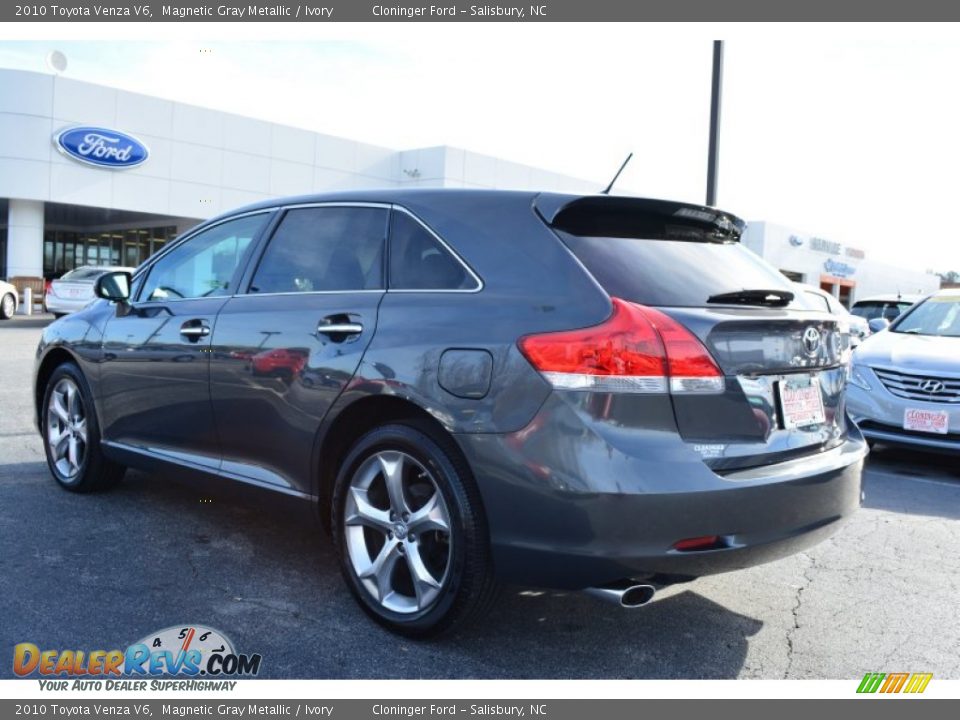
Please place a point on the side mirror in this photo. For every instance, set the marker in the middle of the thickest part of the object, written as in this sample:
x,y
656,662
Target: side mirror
x,y
113,286
879,324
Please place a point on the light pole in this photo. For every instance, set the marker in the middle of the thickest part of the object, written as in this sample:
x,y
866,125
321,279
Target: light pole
x,y
713,154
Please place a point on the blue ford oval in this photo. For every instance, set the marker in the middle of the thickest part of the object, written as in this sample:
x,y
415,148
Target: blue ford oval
x,y
101,147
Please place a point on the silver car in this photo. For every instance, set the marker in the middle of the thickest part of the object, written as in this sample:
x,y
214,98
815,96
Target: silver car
x,y
905,381
822,300
74,291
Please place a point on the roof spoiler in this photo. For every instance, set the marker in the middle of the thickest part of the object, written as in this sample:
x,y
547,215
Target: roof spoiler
x,y
628,217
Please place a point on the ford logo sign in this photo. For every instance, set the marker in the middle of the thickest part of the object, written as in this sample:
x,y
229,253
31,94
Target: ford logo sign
x,y
101,147
796,240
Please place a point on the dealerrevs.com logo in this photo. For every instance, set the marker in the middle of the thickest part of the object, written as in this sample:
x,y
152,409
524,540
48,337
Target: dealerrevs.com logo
x,y
190,651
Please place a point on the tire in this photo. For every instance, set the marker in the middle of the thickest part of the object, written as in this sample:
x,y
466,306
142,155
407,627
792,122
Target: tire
x,y
8,305
75,460
57,316
437,489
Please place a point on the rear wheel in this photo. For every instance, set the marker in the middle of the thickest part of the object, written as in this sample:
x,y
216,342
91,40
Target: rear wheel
x,y
410,531
72,436
7,306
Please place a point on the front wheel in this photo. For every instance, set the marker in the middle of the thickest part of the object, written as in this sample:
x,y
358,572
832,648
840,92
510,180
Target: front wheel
x,y
72,435
7,306
410,531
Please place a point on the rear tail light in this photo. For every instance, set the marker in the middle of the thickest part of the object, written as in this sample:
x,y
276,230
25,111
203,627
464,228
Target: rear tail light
x,y
636,350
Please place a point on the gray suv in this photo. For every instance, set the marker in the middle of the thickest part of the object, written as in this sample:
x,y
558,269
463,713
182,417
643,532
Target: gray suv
x,y
472,387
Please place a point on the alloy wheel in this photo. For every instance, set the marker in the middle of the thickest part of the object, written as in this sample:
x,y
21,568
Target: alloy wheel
x,y
7,305
397,532
67,428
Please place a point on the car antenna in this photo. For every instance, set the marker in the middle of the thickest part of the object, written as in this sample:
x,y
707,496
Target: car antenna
x,y
609,187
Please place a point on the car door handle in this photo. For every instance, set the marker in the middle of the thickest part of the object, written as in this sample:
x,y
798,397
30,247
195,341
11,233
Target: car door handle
x,y
194,332
340,328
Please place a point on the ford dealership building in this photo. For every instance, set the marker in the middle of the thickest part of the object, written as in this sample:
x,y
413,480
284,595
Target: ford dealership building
x,y
845,271
93,175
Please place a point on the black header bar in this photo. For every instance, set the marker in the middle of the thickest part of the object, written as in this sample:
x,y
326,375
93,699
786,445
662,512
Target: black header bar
x,y
458,11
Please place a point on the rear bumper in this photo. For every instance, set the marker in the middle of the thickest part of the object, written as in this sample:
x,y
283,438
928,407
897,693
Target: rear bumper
x,y
57,304
582,512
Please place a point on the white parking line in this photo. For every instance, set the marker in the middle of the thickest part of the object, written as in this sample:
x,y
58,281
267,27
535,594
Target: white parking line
x,y
947,483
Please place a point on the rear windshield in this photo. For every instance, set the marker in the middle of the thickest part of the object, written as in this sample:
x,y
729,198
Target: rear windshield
x,y
870,310
89,273
676,273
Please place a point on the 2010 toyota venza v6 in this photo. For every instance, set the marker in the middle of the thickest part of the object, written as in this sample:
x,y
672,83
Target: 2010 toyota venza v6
x,y
580,392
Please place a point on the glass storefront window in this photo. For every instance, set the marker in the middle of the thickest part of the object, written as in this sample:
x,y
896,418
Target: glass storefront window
x,y
65,250
3,252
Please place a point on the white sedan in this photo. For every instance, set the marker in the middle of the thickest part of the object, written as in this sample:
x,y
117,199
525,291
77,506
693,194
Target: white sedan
x,y
822,300
8,300
74,291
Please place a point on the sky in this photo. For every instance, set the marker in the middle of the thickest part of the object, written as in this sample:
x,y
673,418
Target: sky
x,y
852,135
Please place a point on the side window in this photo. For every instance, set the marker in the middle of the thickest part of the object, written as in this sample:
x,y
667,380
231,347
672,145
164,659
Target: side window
x,y
419,262
324,249
204,265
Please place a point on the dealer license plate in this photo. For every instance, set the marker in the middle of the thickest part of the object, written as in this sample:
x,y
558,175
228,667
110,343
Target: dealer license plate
x,y
928,421
801,401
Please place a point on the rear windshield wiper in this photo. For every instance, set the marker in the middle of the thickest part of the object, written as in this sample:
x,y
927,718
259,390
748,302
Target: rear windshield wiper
x,y
773,298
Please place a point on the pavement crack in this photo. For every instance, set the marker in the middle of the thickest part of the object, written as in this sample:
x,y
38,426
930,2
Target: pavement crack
x,y
795,610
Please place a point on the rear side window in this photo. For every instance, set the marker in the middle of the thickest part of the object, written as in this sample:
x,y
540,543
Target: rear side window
x,y
324,249
673,273
418,261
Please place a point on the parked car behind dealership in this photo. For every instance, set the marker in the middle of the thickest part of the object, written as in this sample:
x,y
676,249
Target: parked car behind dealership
x,y
8,300
822,300
564,391
886,307
905,381
74,290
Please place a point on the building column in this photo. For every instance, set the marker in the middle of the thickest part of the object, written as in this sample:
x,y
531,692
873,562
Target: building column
x,y
25,238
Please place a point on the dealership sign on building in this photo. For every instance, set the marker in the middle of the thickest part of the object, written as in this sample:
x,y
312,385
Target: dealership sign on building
x,y
839,269
101,147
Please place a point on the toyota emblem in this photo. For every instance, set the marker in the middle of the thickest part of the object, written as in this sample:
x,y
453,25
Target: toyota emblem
x,y
932,387
811,340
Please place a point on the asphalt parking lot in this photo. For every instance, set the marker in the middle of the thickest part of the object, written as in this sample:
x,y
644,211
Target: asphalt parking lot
x,y
102,571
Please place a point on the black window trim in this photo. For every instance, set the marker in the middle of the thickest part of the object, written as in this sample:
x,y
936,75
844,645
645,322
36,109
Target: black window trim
x,y
266,233
478,281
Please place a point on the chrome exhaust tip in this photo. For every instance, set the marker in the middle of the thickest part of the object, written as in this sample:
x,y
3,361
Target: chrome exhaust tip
x,y
626,595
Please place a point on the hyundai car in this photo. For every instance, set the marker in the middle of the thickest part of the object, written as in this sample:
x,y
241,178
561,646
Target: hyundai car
x,y
473,388
905,381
